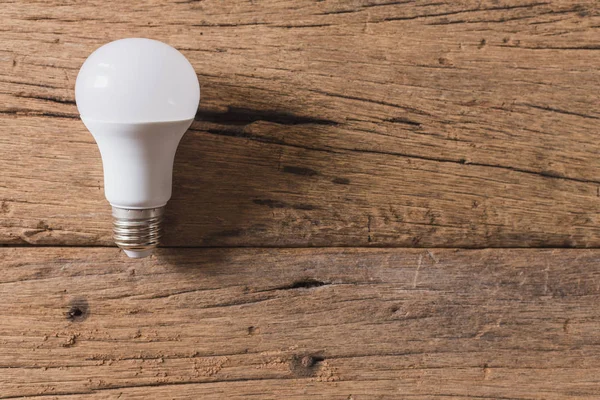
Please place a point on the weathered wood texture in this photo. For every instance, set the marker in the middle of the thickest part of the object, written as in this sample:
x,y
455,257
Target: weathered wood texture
x,y
463,123
322,123
299,323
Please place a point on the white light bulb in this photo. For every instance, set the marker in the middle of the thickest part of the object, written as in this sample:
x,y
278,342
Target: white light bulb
x,y
137,97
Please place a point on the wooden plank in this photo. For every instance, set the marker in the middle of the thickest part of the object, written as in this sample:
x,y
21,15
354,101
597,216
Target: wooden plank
x,y
468,124
292,323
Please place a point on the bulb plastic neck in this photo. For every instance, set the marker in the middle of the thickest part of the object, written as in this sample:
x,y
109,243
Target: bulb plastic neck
x,y
137,231
138,160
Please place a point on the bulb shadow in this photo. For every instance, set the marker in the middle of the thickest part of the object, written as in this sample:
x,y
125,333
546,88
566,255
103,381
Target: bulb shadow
x,y
248,176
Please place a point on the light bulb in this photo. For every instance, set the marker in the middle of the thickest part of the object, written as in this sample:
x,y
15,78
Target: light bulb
x,y
137,97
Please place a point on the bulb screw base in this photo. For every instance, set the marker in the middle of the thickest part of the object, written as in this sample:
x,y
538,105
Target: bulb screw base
x,y
137,232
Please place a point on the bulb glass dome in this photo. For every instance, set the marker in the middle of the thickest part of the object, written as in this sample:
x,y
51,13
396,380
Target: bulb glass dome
x,y
137,80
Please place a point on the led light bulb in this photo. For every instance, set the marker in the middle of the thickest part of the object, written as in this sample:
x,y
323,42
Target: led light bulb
x,y
137,97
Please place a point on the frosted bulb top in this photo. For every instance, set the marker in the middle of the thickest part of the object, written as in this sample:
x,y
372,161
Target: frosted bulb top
x,y
137,81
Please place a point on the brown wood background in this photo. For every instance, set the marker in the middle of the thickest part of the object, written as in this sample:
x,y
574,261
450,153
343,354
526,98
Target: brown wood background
x,y
339,205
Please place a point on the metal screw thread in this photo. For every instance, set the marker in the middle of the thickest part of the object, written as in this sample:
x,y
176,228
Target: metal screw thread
x,y
137,231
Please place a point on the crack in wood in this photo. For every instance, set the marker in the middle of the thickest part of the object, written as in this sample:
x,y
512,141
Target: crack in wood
x,y
307,283
238,116
54,99
472,10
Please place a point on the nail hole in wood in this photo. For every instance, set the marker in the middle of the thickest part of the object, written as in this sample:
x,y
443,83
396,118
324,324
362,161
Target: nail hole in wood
x,y
78,310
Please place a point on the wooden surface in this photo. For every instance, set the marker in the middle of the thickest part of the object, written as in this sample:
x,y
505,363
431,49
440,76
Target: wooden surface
x,y
325,129
299,323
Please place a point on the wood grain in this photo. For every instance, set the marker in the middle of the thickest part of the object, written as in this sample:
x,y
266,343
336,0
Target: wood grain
x,y
331,124
363,123
298,323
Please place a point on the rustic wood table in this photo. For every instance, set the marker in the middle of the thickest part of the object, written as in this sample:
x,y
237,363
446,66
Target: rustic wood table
x,y
377,200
